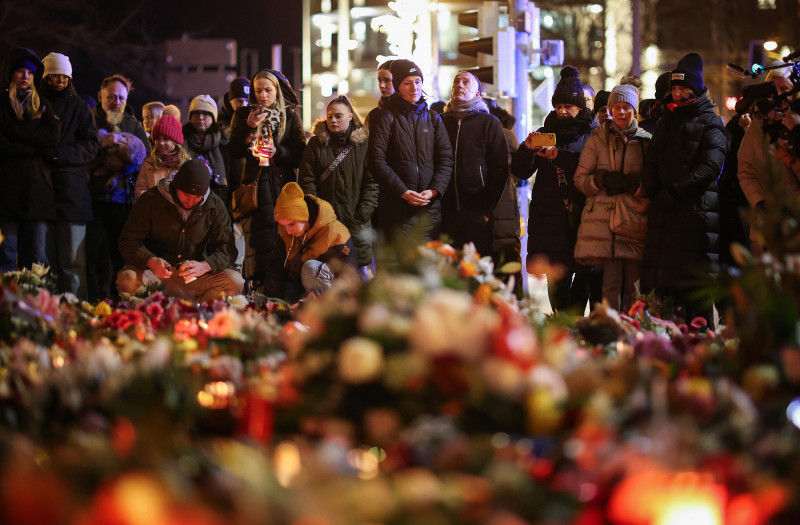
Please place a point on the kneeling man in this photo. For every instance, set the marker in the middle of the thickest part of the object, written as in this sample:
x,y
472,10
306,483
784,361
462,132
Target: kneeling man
x,y
179,234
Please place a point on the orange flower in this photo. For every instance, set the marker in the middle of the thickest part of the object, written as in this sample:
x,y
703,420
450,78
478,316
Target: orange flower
x,y
483,295
442,249
468,269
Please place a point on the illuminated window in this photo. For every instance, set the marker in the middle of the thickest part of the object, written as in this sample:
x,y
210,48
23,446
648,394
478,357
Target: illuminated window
x,y
766,4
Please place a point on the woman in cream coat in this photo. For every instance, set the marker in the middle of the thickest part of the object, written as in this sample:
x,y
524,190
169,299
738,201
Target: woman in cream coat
x,y
609,174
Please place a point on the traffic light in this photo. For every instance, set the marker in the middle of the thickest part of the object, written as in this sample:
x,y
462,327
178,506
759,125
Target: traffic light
x,y
756,56
494,47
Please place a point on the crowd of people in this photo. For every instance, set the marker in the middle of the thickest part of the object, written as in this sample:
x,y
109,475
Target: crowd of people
x,y
624,191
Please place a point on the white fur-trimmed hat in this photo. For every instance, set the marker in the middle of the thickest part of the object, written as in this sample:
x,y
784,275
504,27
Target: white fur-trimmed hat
x,y
203,103
57,64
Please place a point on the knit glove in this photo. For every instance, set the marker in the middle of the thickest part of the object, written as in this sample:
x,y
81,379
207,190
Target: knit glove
x,y
614,182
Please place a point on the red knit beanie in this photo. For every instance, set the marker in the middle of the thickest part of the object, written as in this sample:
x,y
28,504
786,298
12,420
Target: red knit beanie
x,y
169,127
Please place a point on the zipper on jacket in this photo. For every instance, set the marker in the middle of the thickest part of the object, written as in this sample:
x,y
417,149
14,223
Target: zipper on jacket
x,y
480,170
455,167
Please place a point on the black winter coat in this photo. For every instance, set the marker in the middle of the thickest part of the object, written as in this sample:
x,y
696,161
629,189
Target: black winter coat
x,y
281,170
408,150
480,163
77,147
26,186
156,228
549,231
350,188
680,174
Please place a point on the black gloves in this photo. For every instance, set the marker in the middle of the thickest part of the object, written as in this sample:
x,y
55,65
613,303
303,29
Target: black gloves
x,y
614,182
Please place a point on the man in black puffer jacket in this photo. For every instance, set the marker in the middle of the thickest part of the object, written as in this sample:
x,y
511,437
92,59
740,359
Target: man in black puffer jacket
x,y
410,156
77,147
480,169
680,176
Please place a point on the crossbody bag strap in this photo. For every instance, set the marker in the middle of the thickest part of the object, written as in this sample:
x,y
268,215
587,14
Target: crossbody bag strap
x,y
336,162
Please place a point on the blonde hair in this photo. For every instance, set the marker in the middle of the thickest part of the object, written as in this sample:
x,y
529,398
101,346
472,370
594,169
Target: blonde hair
x,y
279,104
33,107
183,156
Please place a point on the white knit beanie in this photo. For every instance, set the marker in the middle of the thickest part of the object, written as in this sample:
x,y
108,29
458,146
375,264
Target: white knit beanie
x,y
203,103
624,93
57,64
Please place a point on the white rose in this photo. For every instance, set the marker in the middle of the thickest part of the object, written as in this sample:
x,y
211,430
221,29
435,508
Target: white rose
x,y
450,323
360,360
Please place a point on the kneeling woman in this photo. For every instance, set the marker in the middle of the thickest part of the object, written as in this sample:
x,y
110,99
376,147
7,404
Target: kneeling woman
x,y
315,246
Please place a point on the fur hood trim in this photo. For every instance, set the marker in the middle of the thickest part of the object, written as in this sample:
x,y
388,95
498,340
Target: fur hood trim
x,y
320,130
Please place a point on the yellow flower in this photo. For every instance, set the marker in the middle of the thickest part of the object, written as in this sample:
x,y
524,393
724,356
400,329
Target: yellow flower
x,y
40,270
102,309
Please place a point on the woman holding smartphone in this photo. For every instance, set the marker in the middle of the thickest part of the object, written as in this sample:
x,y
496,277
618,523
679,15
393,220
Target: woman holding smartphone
x,y
556,203
269,135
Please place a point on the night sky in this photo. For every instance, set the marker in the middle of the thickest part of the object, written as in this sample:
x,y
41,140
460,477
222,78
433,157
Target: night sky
x,y
86,30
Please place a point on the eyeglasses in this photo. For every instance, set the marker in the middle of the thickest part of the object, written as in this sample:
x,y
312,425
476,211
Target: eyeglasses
x,y
115,98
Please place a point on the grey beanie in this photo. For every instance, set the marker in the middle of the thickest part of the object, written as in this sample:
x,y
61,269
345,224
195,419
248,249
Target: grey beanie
x,y
624,93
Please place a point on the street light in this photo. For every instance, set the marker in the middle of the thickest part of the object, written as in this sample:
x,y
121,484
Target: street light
x,y
770,45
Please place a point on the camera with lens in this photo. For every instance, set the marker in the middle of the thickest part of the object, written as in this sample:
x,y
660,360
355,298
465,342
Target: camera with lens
x,y
766,100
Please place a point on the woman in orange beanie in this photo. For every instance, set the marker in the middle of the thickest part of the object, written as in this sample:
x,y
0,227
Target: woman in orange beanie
x,y
315,246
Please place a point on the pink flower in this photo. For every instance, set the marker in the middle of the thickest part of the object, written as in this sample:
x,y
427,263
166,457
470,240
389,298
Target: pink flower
x,y
699,323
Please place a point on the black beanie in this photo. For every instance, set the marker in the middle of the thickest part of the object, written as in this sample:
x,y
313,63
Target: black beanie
x,y
569,89
193,178
662,85
601,99
239,88
401,69
689,73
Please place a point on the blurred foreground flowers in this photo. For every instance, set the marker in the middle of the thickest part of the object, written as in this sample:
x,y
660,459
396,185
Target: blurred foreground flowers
x,y
424,396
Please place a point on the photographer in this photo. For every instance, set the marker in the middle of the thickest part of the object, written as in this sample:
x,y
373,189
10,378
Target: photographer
x,y
762,140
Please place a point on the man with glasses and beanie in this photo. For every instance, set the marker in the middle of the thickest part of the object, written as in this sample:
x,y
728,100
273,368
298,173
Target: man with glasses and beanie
x,y
179,235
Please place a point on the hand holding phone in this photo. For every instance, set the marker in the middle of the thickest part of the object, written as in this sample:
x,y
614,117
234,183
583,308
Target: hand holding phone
x,y
539,140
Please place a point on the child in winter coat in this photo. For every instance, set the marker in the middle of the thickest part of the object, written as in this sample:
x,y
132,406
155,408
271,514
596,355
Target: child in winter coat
x,y
167,157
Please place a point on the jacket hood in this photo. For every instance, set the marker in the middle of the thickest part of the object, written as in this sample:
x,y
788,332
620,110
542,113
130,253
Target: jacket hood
x,y
325,215
23,53
320,130
289,96
164,189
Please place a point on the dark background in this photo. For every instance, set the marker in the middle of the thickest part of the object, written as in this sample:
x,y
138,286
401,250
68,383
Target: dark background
x,y
102,38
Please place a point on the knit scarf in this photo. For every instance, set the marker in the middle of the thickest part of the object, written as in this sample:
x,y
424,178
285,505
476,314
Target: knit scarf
x,y
627,133
568,129
169,160
24,98
672,106
471,107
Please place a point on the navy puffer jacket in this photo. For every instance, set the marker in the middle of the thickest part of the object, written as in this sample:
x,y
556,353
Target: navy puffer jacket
x,y
408,150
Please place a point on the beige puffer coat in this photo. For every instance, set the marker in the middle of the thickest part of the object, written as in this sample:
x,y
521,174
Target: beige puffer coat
x,y
607,150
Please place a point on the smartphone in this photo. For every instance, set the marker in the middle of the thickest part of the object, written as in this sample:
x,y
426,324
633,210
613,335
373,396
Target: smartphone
x,y
543,139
